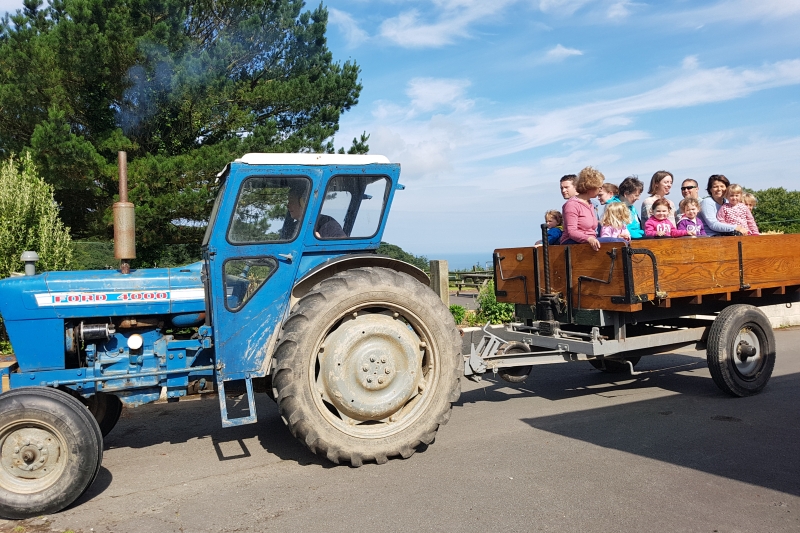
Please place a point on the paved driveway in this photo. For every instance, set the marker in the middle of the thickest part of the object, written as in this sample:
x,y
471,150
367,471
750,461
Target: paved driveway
x,y
572,449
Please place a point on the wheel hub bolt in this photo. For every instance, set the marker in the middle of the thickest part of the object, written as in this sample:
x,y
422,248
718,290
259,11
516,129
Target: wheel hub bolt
x,y
380,381
16,450
369,380
365,368
388,371
371,359
383,359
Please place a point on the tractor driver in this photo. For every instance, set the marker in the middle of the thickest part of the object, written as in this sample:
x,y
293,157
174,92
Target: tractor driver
x,y
326,227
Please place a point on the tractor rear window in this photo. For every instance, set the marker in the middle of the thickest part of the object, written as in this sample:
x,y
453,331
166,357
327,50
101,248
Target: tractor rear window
x,y
269,209
352,208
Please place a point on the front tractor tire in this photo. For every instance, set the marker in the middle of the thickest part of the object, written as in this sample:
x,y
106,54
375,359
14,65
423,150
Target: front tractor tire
x,y
50,451
367,366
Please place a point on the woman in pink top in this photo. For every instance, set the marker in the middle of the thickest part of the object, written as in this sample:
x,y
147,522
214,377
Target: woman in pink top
x,y
580,221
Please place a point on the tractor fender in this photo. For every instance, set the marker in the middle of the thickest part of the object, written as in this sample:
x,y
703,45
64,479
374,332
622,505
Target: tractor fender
x,y
347,262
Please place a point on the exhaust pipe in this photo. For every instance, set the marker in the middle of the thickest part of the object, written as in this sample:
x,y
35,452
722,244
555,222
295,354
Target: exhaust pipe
x,y
124,221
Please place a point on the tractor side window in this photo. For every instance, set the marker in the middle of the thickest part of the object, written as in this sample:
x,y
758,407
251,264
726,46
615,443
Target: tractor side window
x,y
269,209
352,208
243,277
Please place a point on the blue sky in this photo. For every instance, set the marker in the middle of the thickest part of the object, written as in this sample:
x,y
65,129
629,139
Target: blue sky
x,y
486,104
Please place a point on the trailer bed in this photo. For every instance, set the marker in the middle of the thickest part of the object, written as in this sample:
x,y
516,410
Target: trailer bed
x,y
666,273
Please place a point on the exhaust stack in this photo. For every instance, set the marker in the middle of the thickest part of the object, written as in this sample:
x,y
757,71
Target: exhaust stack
x,y
124,222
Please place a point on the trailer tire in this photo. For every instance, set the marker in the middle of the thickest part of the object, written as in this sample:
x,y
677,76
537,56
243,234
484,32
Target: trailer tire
x,y
106,409
516,374
50,451
367,366
736,330
613,366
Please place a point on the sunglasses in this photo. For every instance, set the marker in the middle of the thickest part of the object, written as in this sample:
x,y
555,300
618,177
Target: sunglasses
x,y
689,188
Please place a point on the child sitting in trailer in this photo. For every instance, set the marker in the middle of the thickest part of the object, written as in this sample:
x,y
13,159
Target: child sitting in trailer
x,y
750,201
736,211
615,222
689,222
660,224
555,227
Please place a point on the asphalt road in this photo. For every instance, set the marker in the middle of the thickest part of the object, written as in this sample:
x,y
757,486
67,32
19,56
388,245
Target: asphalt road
x,y
572,449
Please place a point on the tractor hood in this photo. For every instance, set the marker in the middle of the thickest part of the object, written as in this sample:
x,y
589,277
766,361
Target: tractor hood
x,y
93,293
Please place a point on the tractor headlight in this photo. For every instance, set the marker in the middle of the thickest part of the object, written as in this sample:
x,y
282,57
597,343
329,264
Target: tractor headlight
x,y
135,341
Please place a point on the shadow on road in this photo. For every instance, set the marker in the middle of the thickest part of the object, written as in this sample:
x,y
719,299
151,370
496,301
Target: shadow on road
x,y
197,419
691,424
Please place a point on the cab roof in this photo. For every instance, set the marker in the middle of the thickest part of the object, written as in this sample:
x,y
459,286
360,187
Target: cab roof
x,y
311,159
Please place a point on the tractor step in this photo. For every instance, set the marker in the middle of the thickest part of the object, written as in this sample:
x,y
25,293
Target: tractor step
x,y
223,404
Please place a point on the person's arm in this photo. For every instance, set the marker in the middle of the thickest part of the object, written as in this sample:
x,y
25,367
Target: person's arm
x,y
751,224
646,210
674,231
708,212
650,228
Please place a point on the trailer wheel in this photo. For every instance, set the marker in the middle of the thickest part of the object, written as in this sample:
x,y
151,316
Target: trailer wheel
x,y
516,374
741,350
50,451
612,366
367,366
106,409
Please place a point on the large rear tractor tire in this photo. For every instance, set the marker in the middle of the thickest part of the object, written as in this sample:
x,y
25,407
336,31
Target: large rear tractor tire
x,y
50,451
741,350
367,366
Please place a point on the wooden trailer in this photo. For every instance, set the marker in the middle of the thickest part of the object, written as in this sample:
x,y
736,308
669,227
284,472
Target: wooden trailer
x,y
612,306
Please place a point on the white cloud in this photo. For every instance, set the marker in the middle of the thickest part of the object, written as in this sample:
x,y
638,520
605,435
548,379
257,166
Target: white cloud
x,y
560,53
621,137
738,11
562,7
687,88
410,29
353,34
431,94
619,10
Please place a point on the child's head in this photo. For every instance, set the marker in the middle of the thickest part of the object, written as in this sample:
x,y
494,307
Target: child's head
x,y
616,215
734,194
553,218
690,207
661,209
607,192
749,200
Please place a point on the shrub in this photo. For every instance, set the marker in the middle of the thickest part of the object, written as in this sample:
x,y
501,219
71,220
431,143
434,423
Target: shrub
x,y
459,313
29,220
489,309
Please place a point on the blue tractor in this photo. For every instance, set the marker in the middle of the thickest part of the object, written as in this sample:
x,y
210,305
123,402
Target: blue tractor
x,y
362,358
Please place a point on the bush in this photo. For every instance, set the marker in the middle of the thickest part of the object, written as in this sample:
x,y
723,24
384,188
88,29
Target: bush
x,y
29,220
459,313
490,310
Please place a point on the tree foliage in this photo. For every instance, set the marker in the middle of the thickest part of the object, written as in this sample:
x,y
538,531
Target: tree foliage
x,y
184,86
395,252
777,210
29,219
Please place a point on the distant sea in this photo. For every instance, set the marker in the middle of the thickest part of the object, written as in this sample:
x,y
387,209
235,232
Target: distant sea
x,y
463,261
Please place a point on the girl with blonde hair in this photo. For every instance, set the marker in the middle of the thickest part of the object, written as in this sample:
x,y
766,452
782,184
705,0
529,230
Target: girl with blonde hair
x,y
615,222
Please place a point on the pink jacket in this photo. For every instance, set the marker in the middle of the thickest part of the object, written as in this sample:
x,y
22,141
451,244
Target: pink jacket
x,y
611,231
653,226
580,221
738,215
